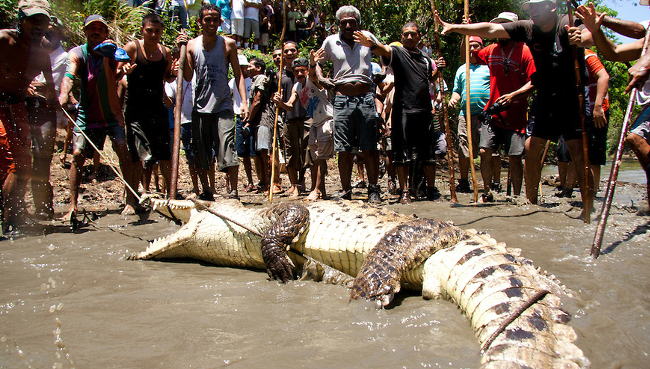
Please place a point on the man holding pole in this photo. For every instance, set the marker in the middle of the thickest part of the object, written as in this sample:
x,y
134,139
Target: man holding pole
x,y
556,106
99,113
213,127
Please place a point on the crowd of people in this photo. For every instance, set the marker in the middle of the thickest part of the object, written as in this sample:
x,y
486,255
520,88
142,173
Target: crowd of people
x,y
372,104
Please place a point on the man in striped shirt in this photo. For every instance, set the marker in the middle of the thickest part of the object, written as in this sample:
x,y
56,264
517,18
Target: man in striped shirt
x,y
479,96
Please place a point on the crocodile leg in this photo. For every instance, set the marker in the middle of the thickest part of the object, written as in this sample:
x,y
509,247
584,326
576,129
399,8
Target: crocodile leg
x,y
290,222
401,249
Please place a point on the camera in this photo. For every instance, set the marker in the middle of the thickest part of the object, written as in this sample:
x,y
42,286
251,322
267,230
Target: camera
x,y
496,108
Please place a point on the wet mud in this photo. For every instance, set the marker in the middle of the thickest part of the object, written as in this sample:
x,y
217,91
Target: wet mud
x,y
72,300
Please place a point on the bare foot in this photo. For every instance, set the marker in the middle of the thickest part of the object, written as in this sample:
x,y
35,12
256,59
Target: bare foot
x,y
133,209
314,195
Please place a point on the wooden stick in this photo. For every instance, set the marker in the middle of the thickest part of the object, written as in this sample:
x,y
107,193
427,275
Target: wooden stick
x,y
173,185
468,111
613,174
277,107
445,115
541,166
586,186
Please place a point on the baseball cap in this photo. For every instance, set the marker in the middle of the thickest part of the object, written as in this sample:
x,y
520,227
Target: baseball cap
x,y
525,5
95,18
242,59
505,17
476,39
33,7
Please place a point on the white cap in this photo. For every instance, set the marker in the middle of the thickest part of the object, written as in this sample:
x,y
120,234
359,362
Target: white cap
x,y
242,59
505,17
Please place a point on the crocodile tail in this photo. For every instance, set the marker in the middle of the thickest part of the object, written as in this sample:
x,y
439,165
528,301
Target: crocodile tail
x,y
514,309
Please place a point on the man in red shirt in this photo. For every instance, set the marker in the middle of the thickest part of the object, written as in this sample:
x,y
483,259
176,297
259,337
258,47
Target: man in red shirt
x,y
511,67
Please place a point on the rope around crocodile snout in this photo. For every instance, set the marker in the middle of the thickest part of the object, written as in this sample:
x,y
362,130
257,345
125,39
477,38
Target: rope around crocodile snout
x,y
257,233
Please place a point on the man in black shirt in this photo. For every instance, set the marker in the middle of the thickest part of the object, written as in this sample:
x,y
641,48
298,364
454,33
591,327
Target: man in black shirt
x,y
412,130
556,107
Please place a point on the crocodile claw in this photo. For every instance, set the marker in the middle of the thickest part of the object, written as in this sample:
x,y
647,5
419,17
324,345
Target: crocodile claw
x,y
281,268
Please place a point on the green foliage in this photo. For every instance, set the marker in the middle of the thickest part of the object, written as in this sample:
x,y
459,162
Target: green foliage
x,y
8,13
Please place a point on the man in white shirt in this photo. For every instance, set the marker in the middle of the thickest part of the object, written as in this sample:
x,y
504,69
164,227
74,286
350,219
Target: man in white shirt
x,y
252,22
244,143
237,21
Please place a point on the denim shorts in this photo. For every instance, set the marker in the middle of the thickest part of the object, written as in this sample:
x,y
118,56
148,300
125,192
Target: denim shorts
x,y
245,145
355,123
97,136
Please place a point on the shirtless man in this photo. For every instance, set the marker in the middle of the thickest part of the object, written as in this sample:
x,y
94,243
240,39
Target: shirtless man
x,y
22,58
213,126
99,113
145,114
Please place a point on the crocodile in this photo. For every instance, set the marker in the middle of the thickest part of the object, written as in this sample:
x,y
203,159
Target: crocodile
x,y
513,307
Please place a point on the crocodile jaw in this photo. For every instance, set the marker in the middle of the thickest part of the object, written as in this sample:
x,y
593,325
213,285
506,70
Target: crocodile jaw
x,y
173,209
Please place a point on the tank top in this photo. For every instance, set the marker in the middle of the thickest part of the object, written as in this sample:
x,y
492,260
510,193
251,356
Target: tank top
x,y
146,86
211,93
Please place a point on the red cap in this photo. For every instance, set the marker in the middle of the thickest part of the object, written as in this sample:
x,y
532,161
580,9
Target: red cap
x,y
476,39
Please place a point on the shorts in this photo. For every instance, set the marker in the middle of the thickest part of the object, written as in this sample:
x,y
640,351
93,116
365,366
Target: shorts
x,y
15,155
251,27
147,136
597,144
214,133
225,26
555,114
321,141
439,143
237,27
97,136
245,145
412,137
641,126
186,140
355,123
264,39
492,137
263,138
293,137
462,136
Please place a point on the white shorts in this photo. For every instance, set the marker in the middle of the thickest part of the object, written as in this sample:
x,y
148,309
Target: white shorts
x,y
237,27
251,27
321,140
226,27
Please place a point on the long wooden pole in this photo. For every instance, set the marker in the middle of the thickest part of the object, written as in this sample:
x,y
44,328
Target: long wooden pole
x,y
586,186
176,147
277,107
468,110
445,114
613,174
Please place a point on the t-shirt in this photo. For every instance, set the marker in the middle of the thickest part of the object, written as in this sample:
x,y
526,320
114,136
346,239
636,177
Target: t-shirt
x,y
237,9
552,54
412,70
226,10
299,111
349,63
188,99
266,113
479,87
594,66
59,62
316,102
292,17
251,12
235,93
510,69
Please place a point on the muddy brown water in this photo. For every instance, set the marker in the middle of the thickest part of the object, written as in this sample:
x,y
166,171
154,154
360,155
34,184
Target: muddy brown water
x,y
72,300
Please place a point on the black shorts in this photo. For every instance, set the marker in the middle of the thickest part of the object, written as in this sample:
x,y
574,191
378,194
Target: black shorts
x,y
147,136
412,137
597,144
555,114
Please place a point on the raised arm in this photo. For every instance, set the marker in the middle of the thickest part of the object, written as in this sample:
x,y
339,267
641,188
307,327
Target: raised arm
x,y
593,21
484,29
624,27
376,46
68,79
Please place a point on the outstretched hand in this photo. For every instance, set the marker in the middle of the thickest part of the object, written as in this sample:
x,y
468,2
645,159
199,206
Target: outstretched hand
x,y
363,39
315,56
446,27
639,73
590,17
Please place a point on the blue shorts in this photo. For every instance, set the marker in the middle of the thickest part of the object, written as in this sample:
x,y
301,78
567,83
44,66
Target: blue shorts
x,y
245,146
186,140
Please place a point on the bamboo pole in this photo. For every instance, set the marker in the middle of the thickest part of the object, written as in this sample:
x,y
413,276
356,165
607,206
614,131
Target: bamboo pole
x,y
613,174
468,111
586,186
277,107
445,113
